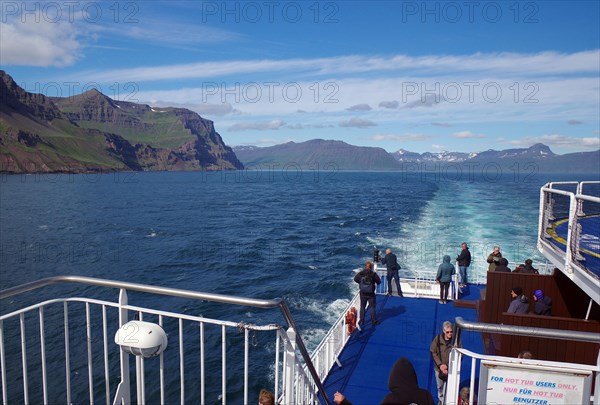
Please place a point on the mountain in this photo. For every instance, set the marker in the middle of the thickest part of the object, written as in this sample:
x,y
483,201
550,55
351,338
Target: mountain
x,y
405,156
537,158
92,132
318,153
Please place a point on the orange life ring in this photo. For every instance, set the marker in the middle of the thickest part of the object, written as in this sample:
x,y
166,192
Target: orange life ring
x,y
351,320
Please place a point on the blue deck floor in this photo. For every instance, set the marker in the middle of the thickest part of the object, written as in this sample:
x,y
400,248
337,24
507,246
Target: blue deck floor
x,y
408,325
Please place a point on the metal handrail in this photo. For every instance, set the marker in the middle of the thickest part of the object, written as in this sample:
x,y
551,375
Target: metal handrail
x,y
569,260
225,299
460,323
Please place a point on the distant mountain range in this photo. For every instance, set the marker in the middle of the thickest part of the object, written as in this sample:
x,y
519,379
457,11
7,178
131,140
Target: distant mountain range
x,y
319,153
93,133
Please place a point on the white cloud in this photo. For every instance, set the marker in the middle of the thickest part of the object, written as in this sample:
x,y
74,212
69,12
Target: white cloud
x,y
574,122
214,109
466,135
357,123
438,147
359,107
257,126
441,124
426,100
39,43
400,137
561,141
389,104
497,64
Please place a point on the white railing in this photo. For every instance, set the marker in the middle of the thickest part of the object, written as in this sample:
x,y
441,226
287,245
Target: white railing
x,y
526,366
556,204
327,352
421,285
75,335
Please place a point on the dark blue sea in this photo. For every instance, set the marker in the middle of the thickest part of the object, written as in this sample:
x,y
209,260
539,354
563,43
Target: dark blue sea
x,y
292,234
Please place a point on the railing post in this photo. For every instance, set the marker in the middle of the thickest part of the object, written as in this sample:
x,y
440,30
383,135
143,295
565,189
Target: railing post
x,y
570,256
597,386
123,395
290,368
453,377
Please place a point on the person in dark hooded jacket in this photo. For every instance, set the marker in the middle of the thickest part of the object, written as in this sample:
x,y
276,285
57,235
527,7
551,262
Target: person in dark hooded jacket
x,y
444,276
543,304
404,386
503,266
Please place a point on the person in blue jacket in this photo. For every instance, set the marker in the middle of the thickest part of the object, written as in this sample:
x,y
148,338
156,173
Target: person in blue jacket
x,y
444,277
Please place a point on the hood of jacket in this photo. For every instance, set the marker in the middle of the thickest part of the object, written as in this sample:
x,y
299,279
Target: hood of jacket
x,y
403,377
446,259
503,262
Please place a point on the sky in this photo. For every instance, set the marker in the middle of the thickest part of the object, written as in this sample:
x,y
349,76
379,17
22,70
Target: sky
x,y
462,76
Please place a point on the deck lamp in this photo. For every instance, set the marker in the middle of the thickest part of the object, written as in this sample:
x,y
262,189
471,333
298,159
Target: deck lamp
x,y
141,338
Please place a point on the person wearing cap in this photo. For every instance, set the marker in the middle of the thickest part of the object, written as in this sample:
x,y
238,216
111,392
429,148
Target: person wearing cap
x,y
543,304
528,268
520,303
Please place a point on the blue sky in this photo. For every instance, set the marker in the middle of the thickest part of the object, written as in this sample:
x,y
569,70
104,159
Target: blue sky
x,y
421,76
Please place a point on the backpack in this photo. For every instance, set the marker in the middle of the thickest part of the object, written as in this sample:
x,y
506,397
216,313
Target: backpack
x,y
366,284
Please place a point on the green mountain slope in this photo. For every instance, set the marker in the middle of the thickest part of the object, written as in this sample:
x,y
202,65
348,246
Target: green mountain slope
x,y
91,132
319,153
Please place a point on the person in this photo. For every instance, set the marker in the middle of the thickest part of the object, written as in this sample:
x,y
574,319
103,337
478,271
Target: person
x,y
443,277
503,266
391,263
520,303
340,399
525,354
266,397
404,386
367,279
440,353
494,258
528,268
463,396
464,261
543,304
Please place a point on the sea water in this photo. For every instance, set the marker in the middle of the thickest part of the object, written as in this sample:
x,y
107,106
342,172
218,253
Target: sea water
x,y
295,234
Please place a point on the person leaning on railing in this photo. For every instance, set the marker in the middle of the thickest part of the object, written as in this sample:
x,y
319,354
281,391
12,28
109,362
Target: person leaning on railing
x,y
440,353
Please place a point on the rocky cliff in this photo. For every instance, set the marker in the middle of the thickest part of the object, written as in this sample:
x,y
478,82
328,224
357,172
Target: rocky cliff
x,y
92,132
